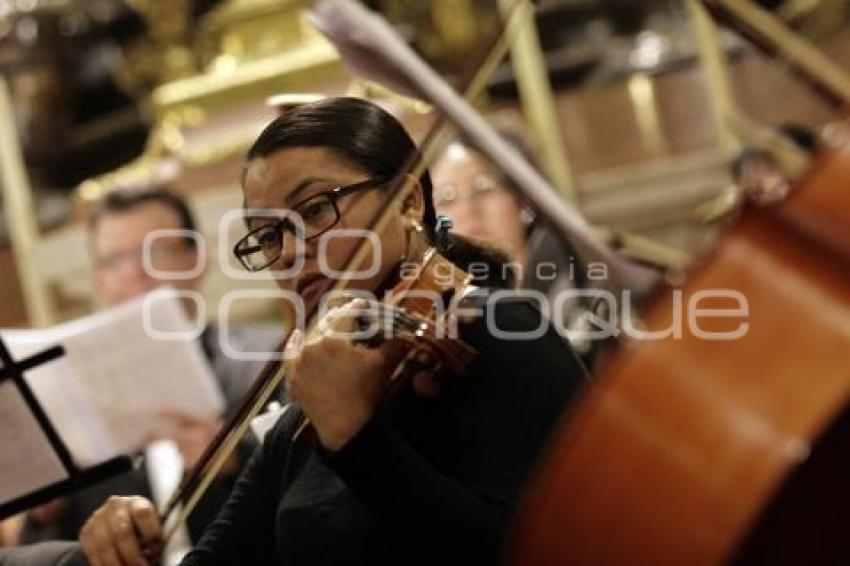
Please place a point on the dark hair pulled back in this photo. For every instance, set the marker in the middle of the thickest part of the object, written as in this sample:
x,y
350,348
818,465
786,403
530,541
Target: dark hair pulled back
x,y
370,138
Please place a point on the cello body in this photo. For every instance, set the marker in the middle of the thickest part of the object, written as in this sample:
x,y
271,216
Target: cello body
x,y
694,451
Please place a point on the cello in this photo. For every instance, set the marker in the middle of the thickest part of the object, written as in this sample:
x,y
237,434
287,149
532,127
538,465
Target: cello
x,y
694,451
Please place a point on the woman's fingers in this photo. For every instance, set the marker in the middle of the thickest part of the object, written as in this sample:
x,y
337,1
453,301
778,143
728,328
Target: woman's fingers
x,y
116,533
146,522
120,525
179,417
101,549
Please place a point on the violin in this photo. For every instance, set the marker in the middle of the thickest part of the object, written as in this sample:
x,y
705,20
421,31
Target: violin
x,y
695,451
419,317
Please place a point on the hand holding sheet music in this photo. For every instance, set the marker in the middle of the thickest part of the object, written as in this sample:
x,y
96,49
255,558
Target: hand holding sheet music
x,y
121,368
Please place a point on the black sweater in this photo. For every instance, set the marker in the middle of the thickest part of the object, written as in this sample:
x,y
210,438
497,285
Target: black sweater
x,y
428,481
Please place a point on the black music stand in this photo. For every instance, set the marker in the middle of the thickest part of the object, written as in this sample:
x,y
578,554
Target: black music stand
x,y
76,477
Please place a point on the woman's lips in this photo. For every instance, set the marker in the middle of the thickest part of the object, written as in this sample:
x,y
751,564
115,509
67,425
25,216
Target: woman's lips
x,y
306,281
312,286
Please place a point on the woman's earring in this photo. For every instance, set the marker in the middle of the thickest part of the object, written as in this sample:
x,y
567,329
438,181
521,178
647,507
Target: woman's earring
x,y
415,233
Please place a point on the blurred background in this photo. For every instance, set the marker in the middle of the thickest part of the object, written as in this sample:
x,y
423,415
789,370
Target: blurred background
x,y
619,101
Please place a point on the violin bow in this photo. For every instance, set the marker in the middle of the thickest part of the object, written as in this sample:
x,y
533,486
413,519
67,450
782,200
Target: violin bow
x,y
372,48
772,36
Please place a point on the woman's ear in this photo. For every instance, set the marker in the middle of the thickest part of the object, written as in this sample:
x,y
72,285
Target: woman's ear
x,y
414,204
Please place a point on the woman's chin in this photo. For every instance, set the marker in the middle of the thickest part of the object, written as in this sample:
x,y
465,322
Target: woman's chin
x,y
313,293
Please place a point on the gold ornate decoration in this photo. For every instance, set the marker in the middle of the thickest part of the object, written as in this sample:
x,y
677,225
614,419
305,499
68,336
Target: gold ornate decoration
x,y
242,51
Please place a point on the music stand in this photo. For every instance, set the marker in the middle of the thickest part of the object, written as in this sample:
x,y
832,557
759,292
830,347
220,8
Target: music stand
x,y
76,478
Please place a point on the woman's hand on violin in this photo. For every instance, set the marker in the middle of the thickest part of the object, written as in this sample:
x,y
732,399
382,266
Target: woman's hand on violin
x,y
337,382
125,531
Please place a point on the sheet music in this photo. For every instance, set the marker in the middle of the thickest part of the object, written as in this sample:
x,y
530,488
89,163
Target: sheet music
x,y
61,397
28,461
104,395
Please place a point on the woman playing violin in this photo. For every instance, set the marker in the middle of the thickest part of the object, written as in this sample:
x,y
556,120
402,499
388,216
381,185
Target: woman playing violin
x,y
431,476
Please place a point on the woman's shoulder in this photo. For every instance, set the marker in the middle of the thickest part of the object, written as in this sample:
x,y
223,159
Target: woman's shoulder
x,y
524,371
510,315
510,331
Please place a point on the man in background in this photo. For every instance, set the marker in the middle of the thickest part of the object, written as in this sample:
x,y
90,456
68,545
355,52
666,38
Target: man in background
x,y
118,227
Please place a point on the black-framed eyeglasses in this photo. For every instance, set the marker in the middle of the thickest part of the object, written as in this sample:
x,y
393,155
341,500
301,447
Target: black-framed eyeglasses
x,y
263,246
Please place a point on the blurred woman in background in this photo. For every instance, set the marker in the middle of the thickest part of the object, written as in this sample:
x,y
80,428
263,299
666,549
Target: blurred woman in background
x,y
475,195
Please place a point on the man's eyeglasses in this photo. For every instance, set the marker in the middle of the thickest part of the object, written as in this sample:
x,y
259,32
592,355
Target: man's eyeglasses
x,y
159,256
263,246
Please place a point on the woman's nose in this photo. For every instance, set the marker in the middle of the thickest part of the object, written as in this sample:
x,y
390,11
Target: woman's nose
x,y
291,249
464,211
